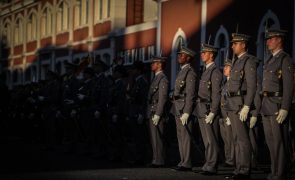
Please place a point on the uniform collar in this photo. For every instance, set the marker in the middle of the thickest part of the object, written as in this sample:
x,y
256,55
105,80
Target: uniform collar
x,y
182,67
138,77
208,65
240,55
277,52
157,73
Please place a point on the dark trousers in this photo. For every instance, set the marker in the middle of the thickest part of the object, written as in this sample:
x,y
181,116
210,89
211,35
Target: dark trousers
x,y
274,136
184,142
210,140
241,143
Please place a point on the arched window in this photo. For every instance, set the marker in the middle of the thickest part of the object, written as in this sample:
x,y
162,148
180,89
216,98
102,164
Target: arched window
x,y
269,20
222,42
62,18
6,34
46,22
18,31
102,9
81,12
32,27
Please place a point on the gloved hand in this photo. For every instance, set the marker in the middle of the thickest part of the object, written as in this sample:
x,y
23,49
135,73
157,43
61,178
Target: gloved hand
x,y
73,113
282,116
253,121
209,118
58,114
184,118
97,114
115,118
155,119
227,121
81,96
139,119
244,113
41,98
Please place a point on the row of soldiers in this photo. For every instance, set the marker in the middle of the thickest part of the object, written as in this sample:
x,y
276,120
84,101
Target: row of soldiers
x,y
109,112
239,101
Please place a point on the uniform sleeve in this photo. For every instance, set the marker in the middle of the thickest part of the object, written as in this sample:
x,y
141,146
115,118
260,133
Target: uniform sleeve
x,y
216,80
287,75
163,93
190,91
251,80
257,98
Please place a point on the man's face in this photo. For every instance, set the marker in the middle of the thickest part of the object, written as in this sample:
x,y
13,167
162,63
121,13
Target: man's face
x,y
206,56
273,43
155,66
183,58
226,70
238,47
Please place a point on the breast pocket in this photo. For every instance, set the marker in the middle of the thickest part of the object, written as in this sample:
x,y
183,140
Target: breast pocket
x,y
235,81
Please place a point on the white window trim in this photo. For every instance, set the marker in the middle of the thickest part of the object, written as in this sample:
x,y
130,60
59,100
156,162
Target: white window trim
x,y
222,31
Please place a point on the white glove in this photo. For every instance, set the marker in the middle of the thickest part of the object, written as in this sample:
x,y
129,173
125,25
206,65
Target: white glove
x,y
244,113
81,96
227,121
41,98
253,121
73,113
69,101
97,114
156,119
184,118
115,118
209,118
282,116
139,119
58,114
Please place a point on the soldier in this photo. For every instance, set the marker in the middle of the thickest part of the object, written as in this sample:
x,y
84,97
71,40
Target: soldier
x,y
208,107
137,99
70,86
117,113
254,115
183,102
85,101
225,124
101,96
277,91
240,95
157,98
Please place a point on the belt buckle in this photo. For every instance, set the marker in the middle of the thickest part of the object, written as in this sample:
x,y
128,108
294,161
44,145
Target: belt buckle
x,y
265,94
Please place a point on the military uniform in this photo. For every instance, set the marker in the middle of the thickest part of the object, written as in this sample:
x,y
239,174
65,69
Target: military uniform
x,y
277,92
240,92
157,98
137,99
225,126
184,97
208,101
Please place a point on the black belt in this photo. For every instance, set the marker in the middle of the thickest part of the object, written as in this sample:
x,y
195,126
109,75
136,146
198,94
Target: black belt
x,y
271,94
153,101
238,93
203,100
178,97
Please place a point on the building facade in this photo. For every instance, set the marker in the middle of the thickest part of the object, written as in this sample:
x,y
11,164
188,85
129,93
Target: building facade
x,y
36,36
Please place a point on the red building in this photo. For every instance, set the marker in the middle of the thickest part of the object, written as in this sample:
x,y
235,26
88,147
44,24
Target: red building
x,y
39,35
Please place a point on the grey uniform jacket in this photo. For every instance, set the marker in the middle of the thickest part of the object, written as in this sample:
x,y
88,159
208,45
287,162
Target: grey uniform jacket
x,y
157,96
271,83
257,99
209,90
242,79
184,91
